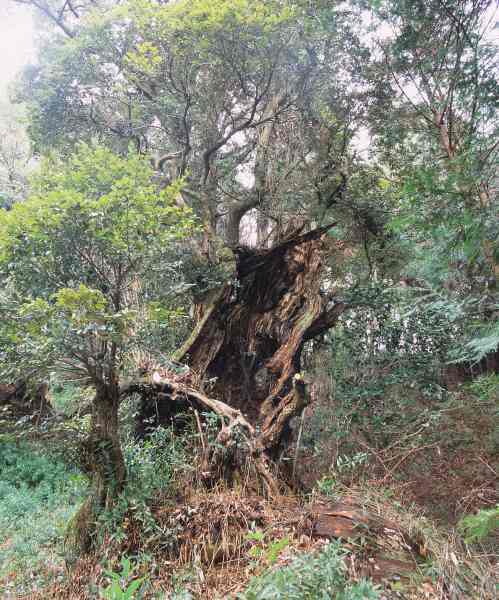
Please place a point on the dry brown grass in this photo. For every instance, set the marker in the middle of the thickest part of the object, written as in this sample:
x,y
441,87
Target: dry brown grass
x,y
207,550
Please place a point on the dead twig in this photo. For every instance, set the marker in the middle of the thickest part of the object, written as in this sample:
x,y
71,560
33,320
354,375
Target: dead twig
x,y
404,458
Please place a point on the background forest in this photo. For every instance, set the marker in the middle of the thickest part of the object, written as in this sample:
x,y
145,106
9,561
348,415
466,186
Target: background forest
x,y
249,307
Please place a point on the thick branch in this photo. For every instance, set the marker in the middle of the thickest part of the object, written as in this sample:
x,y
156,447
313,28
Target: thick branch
x,y
326,320
45,9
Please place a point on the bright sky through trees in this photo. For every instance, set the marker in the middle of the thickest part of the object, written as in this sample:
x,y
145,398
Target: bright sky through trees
x,y
16,43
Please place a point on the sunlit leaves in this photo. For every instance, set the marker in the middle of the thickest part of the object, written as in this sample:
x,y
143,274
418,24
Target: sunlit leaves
x,y
89,217
202,16
81,304
83,248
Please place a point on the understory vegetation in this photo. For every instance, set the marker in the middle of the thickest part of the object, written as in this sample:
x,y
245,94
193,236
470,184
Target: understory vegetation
x,y
39,493
249,309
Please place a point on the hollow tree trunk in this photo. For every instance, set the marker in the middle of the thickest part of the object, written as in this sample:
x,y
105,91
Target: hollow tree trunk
x,y
102,458
245,350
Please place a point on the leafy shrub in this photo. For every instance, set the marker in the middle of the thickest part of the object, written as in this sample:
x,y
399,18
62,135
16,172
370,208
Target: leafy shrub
x,y
38,495
485,387
475,528
265,550
68,398
123,585
153,463
326,486
311,577
152,467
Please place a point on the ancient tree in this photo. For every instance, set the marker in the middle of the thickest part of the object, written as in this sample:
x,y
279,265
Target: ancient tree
x,y
247,105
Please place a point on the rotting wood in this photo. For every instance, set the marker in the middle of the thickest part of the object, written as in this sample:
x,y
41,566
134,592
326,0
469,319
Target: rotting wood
x,y
248,342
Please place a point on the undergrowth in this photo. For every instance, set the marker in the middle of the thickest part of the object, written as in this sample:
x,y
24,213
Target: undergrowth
x,y
449,567
478,527
155,467
311,577
39,493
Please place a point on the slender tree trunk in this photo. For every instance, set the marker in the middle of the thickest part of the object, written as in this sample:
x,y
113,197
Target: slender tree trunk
x,y
108,465
103,459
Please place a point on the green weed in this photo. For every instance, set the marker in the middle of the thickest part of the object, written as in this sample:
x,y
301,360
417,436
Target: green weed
x,y
39,493
309,577
265,550
123,585
475,528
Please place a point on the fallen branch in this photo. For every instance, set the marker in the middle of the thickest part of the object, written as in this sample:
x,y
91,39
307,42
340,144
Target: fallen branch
x,y
233,422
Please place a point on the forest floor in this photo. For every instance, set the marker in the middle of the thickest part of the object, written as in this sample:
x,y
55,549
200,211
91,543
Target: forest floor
x,y
441,457
395,513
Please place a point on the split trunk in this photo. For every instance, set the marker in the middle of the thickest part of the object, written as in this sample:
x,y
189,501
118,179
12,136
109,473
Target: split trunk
x,y
246,349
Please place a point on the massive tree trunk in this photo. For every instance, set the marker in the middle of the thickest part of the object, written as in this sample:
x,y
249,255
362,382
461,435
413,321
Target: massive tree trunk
x,y
245,350
102,458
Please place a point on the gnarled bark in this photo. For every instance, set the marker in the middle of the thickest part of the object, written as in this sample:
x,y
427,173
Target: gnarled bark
x,y
245,351
250,338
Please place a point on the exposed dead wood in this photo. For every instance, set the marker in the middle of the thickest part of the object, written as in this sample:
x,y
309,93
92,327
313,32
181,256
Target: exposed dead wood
x,y
244,353
389,552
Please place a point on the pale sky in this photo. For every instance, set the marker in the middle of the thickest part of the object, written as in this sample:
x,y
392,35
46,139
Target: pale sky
x,y
17,40
16,43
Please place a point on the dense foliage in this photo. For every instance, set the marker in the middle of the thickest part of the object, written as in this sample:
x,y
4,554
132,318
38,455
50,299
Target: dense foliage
x,y
86,264
310,190
311,578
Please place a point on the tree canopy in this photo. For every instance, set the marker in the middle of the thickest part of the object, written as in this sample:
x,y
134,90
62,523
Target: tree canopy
x,y
227,192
